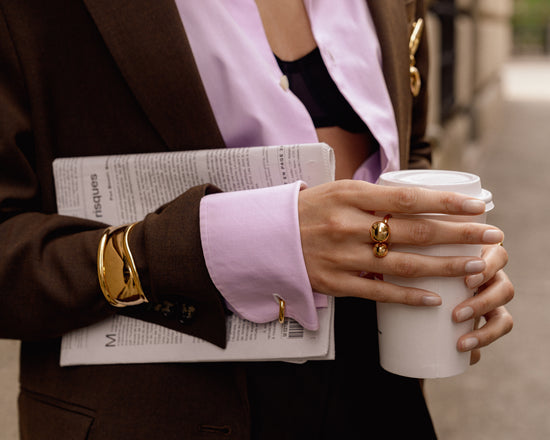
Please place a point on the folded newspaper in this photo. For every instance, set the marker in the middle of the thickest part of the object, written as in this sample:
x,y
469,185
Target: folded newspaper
x,y
120,189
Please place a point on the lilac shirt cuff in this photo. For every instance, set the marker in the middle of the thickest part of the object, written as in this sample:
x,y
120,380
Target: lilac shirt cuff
x,y
251,244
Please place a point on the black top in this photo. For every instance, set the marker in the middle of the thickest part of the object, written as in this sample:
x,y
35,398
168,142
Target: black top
x,y
310,81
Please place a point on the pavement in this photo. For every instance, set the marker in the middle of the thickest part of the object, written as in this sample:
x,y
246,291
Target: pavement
x,y
9,357
507,395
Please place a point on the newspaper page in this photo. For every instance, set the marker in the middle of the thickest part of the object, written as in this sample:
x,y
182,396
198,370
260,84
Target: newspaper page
x,y
121,189
120,339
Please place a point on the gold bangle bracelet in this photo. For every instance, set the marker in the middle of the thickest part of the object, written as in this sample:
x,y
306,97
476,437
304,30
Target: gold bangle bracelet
x,y
134,281
105,251
117,273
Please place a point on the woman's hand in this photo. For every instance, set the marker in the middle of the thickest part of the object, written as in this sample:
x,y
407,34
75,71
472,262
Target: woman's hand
x,y
335,220
494,290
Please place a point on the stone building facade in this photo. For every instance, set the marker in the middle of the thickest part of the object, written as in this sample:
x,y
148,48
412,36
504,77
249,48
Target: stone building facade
x,y
470,40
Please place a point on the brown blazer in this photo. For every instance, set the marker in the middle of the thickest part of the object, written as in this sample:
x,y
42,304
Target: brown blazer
x,y
95,77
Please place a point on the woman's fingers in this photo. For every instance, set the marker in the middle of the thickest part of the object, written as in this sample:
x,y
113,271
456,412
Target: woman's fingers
x,y
498,323
411,265
370,198
340,213
335,221
488,303
495,293
410,200
340,284
426,232
358,257
496,258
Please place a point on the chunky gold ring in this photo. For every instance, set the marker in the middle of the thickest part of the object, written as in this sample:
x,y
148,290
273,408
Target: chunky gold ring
x,y
380,233
380,250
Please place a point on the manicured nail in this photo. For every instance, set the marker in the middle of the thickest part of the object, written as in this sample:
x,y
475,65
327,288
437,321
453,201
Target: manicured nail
x,y
474,206
431,300
464,314
475,266
493,236
474,281
469,344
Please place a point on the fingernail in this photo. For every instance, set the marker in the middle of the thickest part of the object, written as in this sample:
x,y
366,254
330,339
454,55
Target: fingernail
x,y
474,206
464,314
431,300
469,344
474,281
493,236
475,266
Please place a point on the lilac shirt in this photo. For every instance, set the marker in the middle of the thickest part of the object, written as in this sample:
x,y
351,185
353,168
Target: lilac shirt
x,y
251,239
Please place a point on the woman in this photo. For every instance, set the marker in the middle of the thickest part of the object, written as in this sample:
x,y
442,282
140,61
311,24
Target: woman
x,y
104,77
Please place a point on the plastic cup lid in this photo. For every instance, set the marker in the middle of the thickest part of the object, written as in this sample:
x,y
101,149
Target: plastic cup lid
x,y
440,180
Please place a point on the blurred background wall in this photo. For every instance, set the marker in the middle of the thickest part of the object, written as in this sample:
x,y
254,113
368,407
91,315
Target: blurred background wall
x,y
490,114
470,41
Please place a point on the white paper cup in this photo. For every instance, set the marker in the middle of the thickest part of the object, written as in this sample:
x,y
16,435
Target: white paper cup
x,y
422,341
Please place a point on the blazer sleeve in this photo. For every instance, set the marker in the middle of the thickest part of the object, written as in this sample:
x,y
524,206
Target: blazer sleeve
x,y
48,275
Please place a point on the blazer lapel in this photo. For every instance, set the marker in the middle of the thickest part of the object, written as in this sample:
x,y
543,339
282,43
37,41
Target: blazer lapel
x,y
148,42
393,27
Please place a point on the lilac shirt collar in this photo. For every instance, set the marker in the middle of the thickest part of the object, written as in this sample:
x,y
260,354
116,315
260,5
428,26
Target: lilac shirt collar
x,y
243,81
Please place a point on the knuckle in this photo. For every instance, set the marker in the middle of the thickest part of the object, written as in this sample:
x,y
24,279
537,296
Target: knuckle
x,y
406,199
449,201
406,267
321,282
469,234
510,291
484,304
451,268
344,189
509,325
349,185
421,232
335,225
497,332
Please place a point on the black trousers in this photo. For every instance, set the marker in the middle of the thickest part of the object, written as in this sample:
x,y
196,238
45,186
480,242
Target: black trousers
x,y
354,397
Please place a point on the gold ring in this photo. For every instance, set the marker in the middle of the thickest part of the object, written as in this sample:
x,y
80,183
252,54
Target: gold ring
x,y
380,233
282,307
380,250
